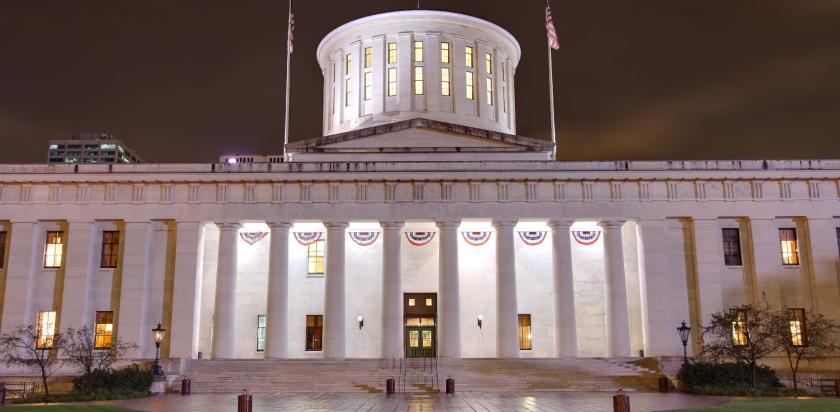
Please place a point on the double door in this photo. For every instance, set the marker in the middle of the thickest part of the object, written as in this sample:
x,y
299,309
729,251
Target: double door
x,y
420,325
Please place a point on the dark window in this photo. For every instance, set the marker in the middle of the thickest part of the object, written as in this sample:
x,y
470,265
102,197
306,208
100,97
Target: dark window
x,y
261,324
797,327
54,250
2,248
314,332
525,332
732,247
838,239
110,249
789,245
104,329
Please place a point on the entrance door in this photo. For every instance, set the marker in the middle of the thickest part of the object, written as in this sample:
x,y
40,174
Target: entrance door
x,y
420,319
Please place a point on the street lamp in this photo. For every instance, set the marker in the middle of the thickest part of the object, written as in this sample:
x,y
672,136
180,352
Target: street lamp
x,y
159,333
684,330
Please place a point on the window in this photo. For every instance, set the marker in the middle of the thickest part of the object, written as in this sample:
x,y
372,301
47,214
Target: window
x,y
418,80
46,330
469,61
368,57
368,85
103,330
348,64
392,81
488,63
838,243
110,249
470,86
418,51
347,92
739,328
412,302
790,250
797,327
261,322
316,258
732,247
489,84
444,81
444,52
392,53
429,302
2,248
54,250
525,332
314,332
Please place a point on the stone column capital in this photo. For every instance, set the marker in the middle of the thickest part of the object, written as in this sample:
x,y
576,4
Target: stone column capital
x,y
336,225
229,225
611,223
448,224
561,223
392,224
504,224
279,225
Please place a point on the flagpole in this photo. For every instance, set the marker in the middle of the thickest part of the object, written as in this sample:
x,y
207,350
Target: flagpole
x,y
551,97
288,78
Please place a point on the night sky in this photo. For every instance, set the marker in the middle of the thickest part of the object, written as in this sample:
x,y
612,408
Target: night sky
x,y
187,81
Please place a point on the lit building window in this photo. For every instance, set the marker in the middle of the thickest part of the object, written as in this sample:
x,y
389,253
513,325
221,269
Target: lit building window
x,y
470,59
469,81
110,249
348,64
54,250
418,80
314,332
429,301
261,325
489,83
315,254
525,332
797,327
739,328
103,330
732,247
392,81
444,81
368,57
2,248
418,51
347,92
790,249
46,330
368,85
488,63
412,302
444,52
392,53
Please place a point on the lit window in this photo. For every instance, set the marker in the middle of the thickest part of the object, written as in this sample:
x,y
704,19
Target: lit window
x,y
427,339
368,85
444,81
347,92
392,53
46,330
444,52
428,301
469,56
739,328
314,332
54,250
368,57
469,82
414,338
418,51
525,332
53,146
261,325
392,81
412,302
732,247
489,84
316,258
2,248
110,249
348,64
790,250
108,146
797,327
103,330
488,63
418,80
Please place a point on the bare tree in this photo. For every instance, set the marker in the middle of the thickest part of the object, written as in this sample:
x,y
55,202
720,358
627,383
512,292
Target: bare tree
x,y
82,350
25,347
743,334
811,336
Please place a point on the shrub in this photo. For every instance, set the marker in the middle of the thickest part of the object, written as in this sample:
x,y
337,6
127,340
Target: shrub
x,y
709,378
129,380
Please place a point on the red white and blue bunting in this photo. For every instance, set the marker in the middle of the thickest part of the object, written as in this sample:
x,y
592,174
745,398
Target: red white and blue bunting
x,y
364,238
252,237
307,238
419,238
532,238
586,237
476,238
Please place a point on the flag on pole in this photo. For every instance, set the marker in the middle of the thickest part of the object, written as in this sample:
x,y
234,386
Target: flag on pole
x,y
549,26
291,31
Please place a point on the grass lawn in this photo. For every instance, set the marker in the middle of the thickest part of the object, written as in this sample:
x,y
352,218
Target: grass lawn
x,y
68,408
773,405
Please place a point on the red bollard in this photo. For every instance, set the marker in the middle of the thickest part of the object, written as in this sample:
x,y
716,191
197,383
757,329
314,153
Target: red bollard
x,y
185,385
621,402
450,385
389,386
2,393
245,403
663,384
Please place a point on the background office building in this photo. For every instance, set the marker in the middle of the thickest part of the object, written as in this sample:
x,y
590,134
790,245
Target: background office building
x,y
91,147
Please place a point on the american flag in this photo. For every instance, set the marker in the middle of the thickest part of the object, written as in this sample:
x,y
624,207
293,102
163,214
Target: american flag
x,y
549,25
291,32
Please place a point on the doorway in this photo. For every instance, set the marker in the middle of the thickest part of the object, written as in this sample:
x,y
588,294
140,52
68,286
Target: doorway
x,y
420,325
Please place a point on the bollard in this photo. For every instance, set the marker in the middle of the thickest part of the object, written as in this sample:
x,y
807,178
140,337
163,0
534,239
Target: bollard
x,y
185,385
621,402
2,393
663,384
450,385
389,386
245,402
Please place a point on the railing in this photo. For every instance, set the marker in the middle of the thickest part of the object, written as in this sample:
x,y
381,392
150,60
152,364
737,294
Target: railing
x,y
423,371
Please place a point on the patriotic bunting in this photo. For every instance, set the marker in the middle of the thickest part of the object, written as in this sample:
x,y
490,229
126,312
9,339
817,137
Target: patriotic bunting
x,y
307,238
586,237
419,238
476,238
252,237
364,238
532,238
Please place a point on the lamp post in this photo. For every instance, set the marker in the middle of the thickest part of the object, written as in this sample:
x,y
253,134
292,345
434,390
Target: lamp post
x,y
684,331
159,332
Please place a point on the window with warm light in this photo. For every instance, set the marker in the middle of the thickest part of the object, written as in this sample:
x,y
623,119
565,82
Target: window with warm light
x,y
392,53
797,327
790,248
110,250
368,57
469,57
261,327
418,51
412,302
444,81
46,330
54,250
488,63
418,80
489,87
732,247
347,92
314,332
368,85
315,254
444,52
429,301
469,83
103,330
525,331
2,248
392,81
739,328
348,64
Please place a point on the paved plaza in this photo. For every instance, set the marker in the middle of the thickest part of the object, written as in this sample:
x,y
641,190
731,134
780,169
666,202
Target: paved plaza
x,y
474,402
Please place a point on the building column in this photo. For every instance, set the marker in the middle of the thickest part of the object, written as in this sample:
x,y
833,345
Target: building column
x,y
507,329
823,265
618,318
224,321
134,286
334,292
186,304
565,324
76,310
26,254
278,291
767,260
449,305
392,305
